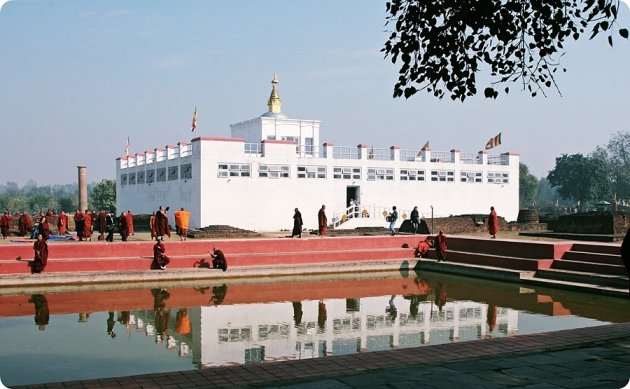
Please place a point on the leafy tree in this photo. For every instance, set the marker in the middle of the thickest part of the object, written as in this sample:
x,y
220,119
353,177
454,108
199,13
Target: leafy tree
x,y
619,155
528,186
442,44
103,195
581,178
68,204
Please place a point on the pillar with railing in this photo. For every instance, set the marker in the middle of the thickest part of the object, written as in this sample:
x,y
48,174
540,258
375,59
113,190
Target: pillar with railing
x,y
328,150
395,153
455,153
363,151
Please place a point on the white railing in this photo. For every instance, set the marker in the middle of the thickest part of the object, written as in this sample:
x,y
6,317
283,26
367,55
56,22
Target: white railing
x,y
346,152
442,156
379,154
411,155
469,158
498,160
310,151
374,211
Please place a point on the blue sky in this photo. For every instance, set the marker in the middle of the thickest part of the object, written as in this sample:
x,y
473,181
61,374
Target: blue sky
x,y
79,77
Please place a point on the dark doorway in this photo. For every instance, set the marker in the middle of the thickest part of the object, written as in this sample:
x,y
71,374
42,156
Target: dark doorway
x,y
352,193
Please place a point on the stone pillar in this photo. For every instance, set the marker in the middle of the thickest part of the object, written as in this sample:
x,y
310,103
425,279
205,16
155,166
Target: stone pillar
x,y
83,203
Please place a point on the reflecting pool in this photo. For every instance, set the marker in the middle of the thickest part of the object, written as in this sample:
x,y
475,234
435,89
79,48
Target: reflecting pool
x,y
62,334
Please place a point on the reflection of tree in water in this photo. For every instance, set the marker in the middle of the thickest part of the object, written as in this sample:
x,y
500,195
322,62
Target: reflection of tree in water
x,y
218,294
322,315
162,314
297,312
42,316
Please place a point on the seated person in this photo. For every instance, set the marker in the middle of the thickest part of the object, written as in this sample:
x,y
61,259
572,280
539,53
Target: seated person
x,y
423,247
218,259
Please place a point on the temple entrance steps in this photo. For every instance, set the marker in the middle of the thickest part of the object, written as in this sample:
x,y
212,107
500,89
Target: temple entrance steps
x,y
593,264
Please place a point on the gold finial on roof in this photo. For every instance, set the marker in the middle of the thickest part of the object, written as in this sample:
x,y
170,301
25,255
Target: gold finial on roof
x,y
274,103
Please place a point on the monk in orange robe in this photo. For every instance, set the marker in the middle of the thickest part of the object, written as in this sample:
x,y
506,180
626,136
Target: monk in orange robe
x,y
5,224
182,218
493,223
129,217
423,248
25,224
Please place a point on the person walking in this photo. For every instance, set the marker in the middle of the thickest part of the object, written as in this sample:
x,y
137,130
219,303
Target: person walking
x,y
5,224
182,218
493,223
322,221
415,219
393,216
297,224
111,226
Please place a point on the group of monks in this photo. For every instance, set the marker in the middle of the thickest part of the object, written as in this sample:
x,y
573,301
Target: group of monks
x,y
438,241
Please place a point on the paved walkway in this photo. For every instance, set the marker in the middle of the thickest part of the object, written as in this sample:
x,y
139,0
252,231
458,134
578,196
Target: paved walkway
x,y
594,357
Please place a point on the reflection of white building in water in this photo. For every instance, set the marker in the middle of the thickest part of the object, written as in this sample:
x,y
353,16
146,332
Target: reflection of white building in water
x,y
254,333
272,164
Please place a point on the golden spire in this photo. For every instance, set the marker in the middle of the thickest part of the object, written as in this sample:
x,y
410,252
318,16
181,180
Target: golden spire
x,y
274,102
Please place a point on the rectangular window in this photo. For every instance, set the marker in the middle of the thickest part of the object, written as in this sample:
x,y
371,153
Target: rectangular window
x,y
186,171
471,177
311,172
498,178
173,173
273,171
161,174
347,173
131,179
225,170
123,179
443,175
150,176
140,177
411,175
380,174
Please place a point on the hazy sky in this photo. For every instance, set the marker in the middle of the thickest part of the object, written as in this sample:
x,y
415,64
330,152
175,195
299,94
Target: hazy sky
x,y
79,77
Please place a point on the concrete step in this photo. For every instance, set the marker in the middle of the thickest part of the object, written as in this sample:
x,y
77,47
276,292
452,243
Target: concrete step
x,y
577,286
616,281
189,261
589,267
509,247
591,257
602,248
499,261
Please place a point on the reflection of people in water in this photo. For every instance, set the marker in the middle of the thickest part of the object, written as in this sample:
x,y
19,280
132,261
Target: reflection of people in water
x,y
218,294
41,310
492,317
322,315
84,317
440,295
110,324
161,313
182,322
391,309
123,318
297,312
414,303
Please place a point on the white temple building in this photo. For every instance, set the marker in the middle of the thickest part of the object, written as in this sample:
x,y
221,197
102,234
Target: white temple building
x,y
273,164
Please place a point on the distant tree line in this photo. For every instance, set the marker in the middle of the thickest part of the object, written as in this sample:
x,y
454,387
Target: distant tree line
x,y
33,198
580,181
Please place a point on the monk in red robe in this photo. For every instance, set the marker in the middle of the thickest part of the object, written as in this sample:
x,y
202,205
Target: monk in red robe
x,y
160,260
87,225
40,259
62,223
123,227
5,224
440,246
129,217
79,223
152,226
493,223
25,224
101,225
43,228
322,221
161,224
